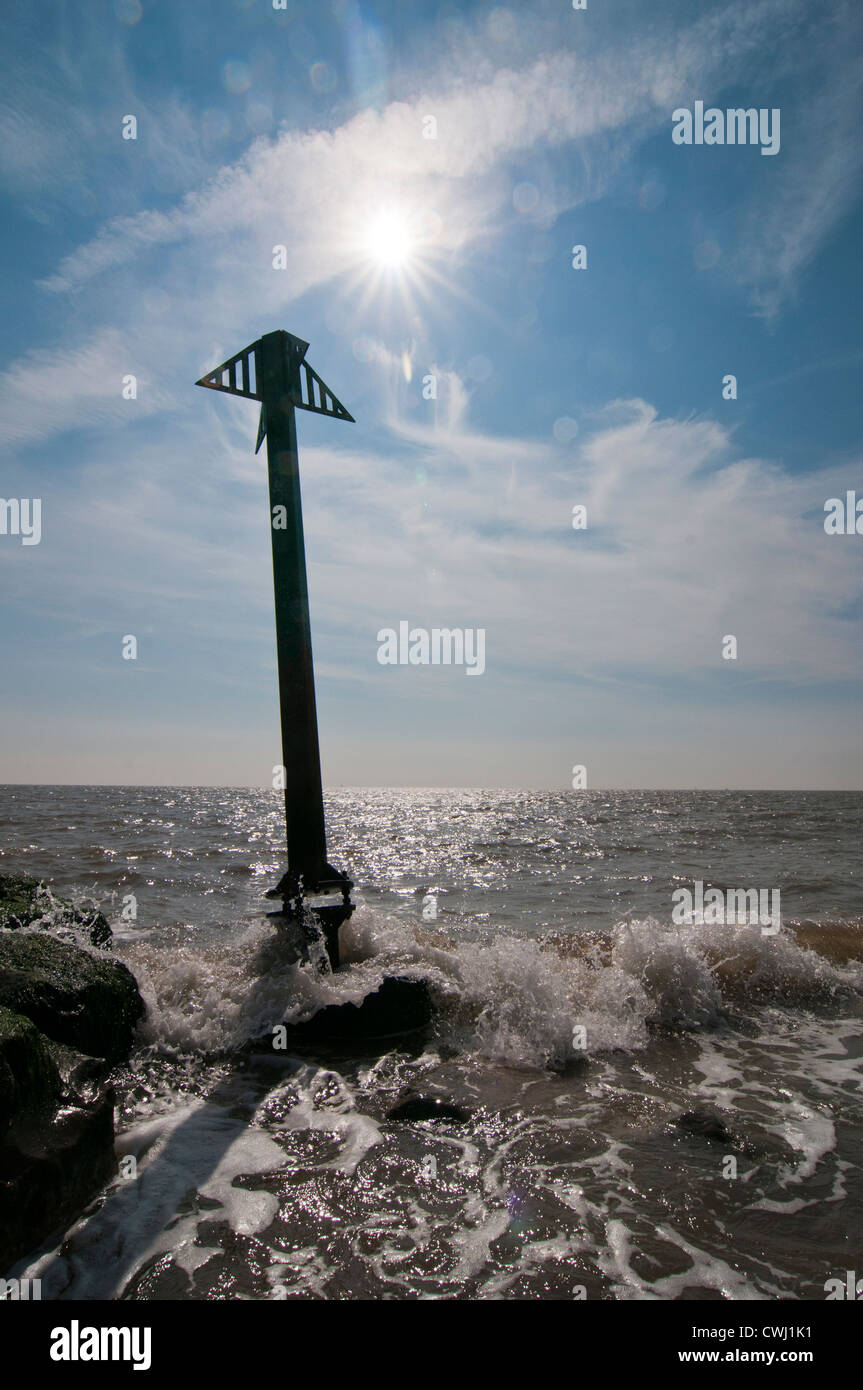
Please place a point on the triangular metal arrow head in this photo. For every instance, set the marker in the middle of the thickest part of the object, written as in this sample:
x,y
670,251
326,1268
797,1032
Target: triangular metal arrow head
x,y
241,376
316,395
238,376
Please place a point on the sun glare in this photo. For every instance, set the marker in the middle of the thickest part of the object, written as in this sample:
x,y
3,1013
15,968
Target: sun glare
x,y
389,240
392,250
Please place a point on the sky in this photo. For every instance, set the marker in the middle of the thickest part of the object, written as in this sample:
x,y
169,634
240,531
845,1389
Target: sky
x,y
428,169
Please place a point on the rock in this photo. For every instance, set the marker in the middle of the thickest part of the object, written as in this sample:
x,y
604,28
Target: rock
x,y
399,1006
90,1003
706,1124
49,1170
17,899
66,1014
417,1107
56,1134
30,1083
756,1143
25,901
82,1076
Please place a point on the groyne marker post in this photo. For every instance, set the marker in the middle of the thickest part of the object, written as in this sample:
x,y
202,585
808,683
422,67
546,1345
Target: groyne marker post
x,y
273,370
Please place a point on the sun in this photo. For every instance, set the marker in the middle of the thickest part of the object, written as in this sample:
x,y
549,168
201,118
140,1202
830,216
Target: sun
x,y
392,248
389,239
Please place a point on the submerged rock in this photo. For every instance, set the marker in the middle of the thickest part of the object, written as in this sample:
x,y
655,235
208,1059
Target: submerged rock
x,y
398,1007
91,1003
706,1124
417,1107
756,1143
25,901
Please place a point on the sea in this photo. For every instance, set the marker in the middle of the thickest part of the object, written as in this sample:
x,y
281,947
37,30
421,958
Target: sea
x,y
636,1106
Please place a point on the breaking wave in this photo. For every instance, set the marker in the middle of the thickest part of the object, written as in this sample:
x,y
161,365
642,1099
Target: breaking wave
x,y
511,999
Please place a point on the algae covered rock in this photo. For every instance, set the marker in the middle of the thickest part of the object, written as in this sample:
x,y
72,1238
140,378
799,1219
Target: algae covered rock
x,y
50,1174
17,899
67,1013
89,1002
26,901
30,1083
56,1134
56,1142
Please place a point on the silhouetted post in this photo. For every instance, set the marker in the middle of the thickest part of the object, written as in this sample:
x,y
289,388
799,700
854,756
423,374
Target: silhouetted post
x,y
304,802
283,380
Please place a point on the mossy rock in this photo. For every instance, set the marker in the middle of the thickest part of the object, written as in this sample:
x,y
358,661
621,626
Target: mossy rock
x,y
23,900
67,1013
89,1002
30,1082
51,1171
17,899
56,1134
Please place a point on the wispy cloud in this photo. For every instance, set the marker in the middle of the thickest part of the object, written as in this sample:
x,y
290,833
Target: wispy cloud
x,y
686,541
49,390
818,176
313,189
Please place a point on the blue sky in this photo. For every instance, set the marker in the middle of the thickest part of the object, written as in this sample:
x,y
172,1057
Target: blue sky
x,y
603,386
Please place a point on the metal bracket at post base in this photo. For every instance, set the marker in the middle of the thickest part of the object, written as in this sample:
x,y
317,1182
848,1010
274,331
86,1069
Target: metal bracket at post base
x,y
295,892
